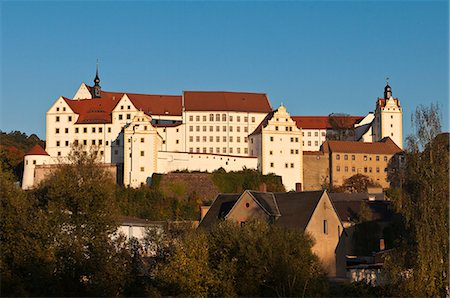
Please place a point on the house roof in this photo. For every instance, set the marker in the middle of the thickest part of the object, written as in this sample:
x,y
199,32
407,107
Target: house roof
x,y
323,122
219,209
296,208
98,110
349,208
37,150
267,201
263,123
384,146
226,101
292,209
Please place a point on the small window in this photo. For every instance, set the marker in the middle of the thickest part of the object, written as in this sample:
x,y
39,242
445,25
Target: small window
x,y
325,227
345,157
93,129
271,139
121,107
100,142
338,168
93,142
84,142
57,143
353,157
191,118
338,157
57,118
142,140
253,119
128,116
76,130
271,165
109,129
142,153
128,107
217,117
69,118
66,130
211,117
292,165
142,169
67,143
57,109
59,153
34,162
57,130
100,129
238,118
120,117
365,157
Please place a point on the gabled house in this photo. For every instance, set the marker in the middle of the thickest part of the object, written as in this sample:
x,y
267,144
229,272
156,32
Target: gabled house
x,y
311,212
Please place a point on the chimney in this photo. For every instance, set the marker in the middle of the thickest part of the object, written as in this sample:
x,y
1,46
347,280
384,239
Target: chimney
x,y
262,187
298,187
203,211
382,247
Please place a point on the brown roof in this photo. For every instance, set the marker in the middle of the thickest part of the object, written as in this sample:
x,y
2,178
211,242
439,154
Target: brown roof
x,y
385,146
323,122
37,150
226,101
313,153
98,110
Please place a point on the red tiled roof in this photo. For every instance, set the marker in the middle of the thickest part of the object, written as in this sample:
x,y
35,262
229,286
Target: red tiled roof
x,y
385,146
322,122
98,110
226,101
313,153
37,150
382,102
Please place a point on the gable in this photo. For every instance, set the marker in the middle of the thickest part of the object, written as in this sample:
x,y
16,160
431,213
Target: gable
x,y
247,208
324,211
60,106
83,92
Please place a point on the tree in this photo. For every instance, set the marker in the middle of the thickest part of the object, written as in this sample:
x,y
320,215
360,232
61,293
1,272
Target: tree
x,y
420,265
341,127
256,259
356,183
79,201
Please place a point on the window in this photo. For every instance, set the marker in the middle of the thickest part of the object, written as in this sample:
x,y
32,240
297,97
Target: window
x,y
197,149
211,117
57,130
191,149
245,139
177,141
69,118
197,139
67,143
292,165
66,130
57,143
271,139
217,128
338,157
346,169
231,150
59,153
245,119
142,153
325,227
270,152
309,143
246,150
276,127
385,170
191,138
93,129
224,149
128,107
231,118
57,118
323,133
197,128
57,109
353,157
224,117
309,133
100,142
191,118
238,139
142,140
217,139
345,157
385,158
211,150
75,142
100,129
118,142
84,142
93,142
217,117
34,162
286,165
211,128
217,150
365,170
253,119
271,165
197,118
238,150
224,138
76,129
316,143
107,143
204,127
316,134
204,138
142,169
120,116
231,128
353,169
338,168
245,129
109,129
365,157
296,140
370,169
378,170
238,118
121,107
231,139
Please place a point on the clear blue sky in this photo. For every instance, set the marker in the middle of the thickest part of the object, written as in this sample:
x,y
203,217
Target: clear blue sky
x,y
315,57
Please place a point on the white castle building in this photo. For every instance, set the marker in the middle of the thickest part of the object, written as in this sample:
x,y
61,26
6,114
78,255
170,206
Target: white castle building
x,y
143,134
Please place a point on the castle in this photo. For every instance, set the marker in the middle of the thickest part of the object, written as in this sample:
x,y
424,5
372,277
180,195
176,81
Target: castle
x,y
143,134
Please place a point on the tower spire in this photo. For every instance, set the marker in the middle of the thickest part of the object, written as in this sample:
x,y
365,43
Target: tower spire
x,y
387,90
97,88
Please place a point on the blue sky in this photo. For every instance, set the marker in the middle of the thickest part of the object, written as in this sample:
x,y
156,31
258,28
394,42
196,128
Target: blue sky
x,y
316,57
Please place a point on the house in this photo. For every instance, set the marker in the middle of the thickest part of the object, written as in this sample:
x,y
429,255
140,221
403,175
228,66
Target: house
x,y
310,212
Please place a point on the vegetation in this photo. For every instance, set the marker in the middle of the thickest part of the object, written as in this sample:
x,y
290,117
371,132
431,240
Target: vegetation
x,y
13,147
419,267
356,183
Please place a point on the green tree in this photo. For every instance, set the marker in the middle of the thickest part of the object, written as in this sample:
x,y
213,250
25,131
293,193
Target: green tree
x,y
79,200
420,265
